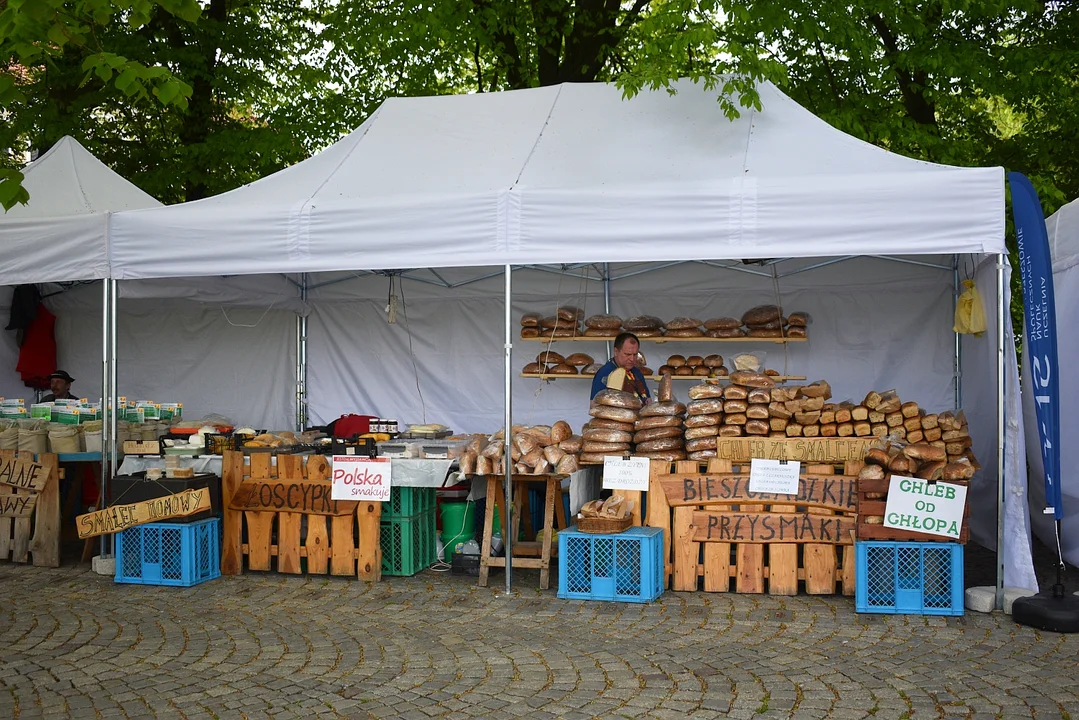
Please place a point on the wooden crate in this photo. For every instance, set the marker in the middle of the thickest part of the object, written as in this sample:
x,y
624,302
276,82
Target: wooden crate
x,y
762,542
341,538
875,508
30,507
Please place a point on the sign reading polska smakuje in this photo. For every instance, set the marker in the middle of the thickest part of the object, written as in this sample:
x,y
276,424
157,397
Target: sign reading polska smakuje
x,y
935,508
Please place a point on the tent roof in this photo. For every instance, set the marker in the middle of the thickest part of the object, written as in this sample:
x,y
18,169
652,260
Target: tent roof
x,y
60,234
1063,228
572,173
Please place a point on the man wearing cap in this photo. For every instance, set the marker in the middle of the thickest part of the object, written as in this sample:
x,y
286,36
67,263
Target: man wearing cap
x,y
60,384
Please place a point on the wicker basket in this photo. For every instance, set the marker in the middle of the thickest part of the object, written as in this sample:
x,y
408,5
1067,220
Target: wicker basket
x,y
603,525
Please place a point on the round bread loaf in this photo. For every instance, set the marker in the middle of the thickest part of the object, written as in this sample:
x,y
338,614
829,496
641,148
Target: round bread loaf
x,y
667,443
761,332
705,390
580,360
600,332
591,369
533,369
702,454
722,323
704,443
597,422
684,370
656,433
642,322
702,371
676,361
530,332
550,357
562,369
530,320
694,360
796,332
666,370
654,421
720,371
726,333
770,325
552,322
569,313
683,323
703,420
700,432
761,314
645,370
662,408
617,398
606,435
604,322
798,319
617,414
561,332
685,333
650,332
713,361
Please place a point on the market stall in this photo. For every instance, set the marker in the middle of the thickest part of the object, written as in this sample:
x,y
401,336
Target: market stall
x,y
544,175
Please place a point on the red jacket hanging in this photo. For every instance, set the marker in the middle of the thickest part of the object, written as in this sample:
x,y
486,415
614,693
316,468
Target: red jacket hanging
x,y
37,357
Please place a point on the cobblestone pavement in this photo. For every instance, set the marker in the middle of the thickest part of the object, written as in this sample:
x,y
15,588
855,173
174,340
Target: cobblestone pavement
x,y
74,644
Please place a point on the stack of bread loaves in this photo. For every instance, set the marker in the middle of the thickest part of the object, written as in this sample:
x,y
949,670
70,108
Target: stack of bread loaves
x,y
602,326
920,460
711,366
551,363
565,323
659,426
610,431
536,450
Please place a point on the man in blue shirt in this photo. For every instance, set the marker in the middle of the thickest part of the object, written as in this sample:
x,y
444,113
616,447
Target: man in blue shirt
x,y
621,371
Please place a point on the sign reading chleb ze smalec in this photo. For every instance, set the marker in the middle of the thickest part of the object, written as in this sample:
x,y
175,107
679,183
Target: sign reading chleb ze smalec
x,y
625,473
774,476
357,477
120,517
934,508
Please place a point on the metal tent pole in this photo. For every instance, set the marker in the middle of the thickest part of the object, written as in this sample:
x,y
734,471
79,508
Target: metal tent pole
x,y
114,398
1002,316
301,359
958,337
607,298
106,434
507,436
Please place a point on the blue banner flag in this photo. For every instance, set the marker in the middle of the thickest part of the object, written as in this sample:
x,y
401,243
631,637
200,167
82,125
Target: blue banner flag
x,y
1040,325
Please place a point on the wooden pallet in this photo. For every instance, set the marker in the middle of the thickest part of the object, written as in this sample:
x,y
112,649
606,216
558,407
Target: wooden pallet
x,y
875,508
30,528
764,545
341,538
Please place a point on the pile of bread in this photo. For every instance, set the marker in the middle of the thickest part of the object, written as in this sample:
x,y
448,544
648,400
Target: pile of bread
x,y
766,321
615,507
535,450
549,362
920,460
277,439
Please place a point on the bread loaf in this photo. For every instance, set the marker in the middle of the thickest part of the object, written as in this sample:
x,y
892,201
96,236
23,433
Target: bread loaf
x,y
720,371
722,323
725,332
818,389
667,443
609,424
532,369
685,333
705,390
530,320
765,333
568,313
758,412
591,369
703,420
606,412
683,323
642,436
599,332
663,408
549,357
961,469
903,465
697,444
664,393
567,465
702,455
756,427
734,419
607,323
676,361
702,371
530,332
761,314
642,322
618,399
730,431
877,456
925,452
735,392
759,396
735,406
931,471
684,370
777,424
552,322
648,332
693,433
770,325
571,445
705,406
713,361
603,447
561,332
606,435
871,472
798,319
694,361
656,421
668,455
665,370
467,463
562,369
796,332
580,360
560,431
751,379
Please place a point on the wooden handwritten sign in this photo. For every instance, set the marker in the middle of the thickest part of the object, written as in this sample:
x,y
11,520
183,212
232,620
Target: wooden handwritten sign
x,y
807,450
302,496
17,506
835,492
120,517
23,474
751,527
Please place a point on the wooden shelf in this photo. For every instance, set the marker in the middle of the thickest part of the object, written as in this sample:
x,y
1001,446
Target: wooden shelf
x,y
665,339
698,378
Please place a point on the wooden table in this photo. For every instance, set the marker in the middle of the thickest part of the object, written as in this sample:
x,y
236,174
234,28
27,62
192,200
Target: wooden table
x,y
530,554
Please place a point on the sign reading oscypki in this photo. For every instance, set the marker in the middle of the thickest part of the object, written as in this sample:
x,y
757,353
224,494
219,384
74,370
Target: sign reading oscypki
x,y
360,478
934,508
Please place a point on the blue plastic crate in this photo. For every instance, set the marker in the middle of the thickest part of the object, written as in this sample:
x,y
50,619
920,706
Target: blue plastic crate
x,y
626,566
909,578
180,554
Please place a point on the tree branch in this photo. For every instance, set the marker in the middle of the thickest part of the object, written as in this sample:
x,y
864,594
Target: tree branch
x,y
918,107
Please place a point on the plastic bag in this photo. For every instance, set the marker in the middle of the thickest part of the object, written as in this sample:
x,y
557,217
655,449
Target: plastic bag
x,y
969,311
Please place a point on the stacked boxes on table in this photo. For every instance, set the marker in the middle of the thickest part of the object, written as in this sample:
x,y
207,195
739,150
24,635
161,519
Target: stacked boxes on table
x,y
626,566
407,531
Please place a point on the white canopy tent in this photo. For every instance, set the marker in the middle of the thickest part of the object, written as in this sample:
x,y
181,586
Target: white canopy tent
x,y
574,174
1063,229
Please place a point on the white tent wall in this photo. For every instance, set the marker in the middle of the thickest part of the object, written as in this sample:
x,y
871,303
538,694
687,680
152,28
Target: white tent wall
x,y
876,324
979,383
1063,229
238,362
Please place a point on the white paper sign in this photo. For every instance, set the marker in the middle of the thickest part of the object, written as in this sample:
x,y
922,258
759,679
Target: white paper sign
x,y
774,476
358,477
622,474
935,508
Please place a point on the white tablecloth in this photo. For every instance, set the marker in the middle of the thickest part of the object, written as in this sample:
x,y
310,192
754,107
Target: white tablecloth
x,y
406,472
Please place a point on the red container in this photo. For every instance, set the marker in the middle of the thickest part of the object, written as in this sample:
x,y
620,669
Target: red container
x,y
348,426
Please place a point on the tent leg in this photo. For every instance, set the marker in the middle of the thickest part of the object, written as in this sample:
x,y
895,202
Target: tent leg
x,y
958,338
106,412
1003,316
301,360
607,297
507,456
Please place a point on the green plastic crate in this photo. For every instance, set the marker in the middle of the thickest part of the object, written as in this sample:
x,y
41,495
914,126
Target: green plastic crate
x,y
407,502
408,544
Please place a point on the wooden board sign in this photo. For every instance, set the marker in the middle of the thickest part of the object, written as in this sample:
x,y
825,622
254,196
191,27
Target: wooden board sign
x,y
120,517
148,447
835,492
764,527
807,450
23,474
290,495
17,506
